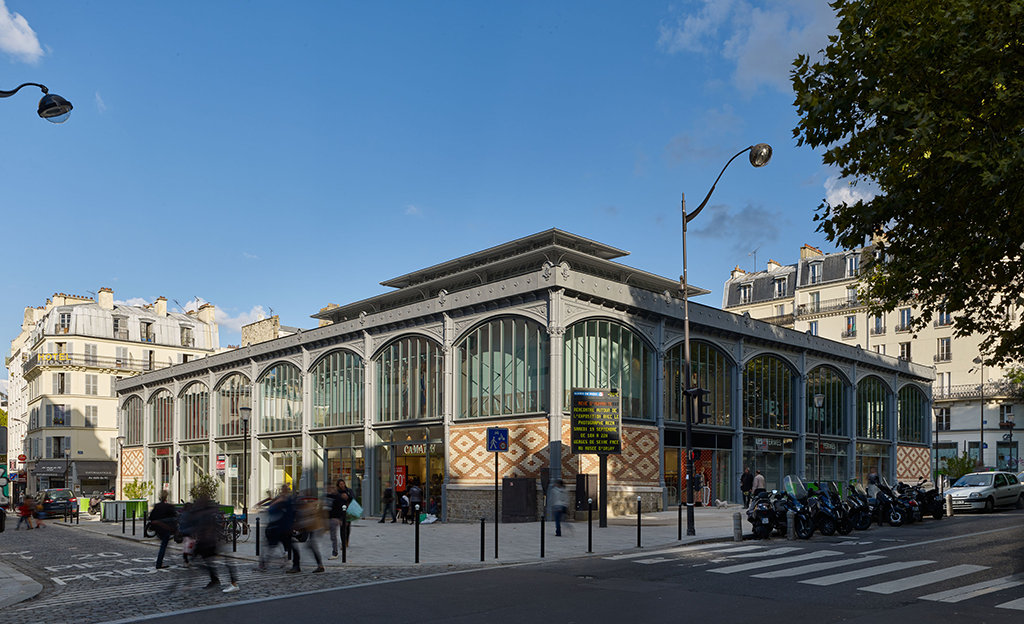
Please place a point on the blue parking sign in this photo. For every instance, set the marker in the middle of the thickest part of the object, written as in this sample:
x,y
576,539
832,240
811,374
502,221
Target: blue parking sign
x,y
497,439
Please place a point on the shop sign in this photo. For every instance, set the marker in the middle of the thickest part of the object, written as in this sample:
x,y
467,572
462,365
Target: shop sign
x,y
22,458
596,427
222,461
829,447
418,449
54,358
166,450
768,444
400,474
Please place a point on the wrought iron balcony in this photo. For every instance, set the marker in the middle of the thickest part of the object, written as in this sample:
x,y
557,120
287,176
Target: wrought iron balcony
x,y
89,361
850,333
943,357
830,305
902,327
877,331
990,390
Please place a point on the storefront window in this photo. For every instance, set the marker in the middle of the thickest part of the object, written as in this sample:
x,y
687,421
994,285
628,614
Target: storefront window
x,y
411,456
232,393
162,468
604,354
774,457
871,408
281,464
281,399
161,414
503,369
133,419
872,458
711,370
339,456
232,474
409,374
833,460
195,412
910,415
338,390
830,418
195,463
768,385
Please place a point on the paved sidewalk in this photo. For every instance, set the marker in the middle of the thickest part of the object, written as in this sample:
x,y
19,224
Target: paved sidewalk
x,y
15,587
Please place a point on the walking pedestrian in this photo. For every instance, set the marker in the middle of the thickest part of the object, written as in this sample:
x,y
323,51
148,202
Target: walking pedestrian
x,y
415,498
746,485
204,517
759,484
347,496
335,516
188,541
40,512
559,504
280,517
308,522
25,511
389,502
163,520
403,507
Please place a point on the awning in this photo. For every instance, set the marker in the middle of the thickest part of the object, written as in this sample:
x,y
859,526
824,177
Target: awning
x,y
49,467
88,469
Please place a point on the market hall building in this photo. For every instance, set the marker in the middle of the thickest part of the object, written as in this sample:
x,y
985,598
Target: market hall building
x,y
401,388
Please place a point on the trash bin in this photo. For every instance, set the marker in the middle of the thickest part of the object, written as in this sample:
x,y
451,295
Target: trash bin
x,y
518,499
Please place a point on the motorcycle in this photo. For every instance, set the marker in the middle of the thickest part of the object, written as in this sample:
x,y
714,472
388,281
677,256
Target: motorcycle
x,y
761,514
857,501
926,495
94,505
909,506
884,507
794,499
831,515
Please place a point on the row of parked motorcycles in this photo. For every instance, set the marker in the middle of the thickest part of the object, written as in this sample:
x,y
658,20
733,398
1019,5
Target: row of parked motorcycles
x,y
820,507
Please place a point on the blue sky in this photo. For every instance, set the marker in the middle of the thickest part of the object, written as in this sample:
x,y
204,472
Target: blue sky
x,y
282,156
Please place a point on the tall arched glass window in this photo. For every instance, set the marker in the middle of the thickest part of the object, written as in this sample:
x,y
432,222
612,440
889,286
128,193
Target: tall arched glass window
x,y
281,399
712,372
338,390
604,354
768,393
871,408
232,393
910,414
831,416
133,419
503,369
161,414
195,412
409,374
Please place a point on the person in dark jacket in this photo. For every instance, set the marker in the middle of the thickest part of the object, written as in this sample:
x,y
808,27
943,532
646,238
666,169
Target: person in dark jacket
x,y
346,495
204,518
280,518
163,520
335,516
389,503
746,485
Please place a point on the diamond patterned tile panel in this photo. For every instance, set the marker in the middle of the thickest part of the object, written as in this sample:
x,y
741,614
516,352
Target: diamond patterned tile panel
x,y
638,464
469,461
912,463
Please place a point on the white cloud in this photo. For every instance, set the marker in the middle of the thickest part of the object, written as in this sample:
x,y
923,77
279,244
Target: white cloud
x,y
413,211
249,256
134,301
17,38
234,323
100,105
690,31
838,191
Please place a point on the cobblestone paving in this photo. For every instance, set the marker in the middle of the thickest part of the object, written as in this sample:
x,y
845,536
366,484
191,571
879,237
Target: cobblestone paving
x,y
89,578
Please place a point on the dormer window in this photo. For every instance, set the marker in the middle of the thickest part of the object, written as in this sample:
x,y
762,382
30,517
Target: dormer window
x,y
187,340
146,328
120,328
815,272
64,323
745,293
852,265
780,288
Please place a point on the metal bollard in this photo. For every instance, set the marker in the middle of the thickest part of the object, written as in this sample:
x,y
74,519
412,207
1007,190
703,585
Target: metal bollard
x,y
680,522
234,533
543,517
737,527
78,516
145,521
638,522
482,538
949,505
790,525
133,523
416,520
344,532
124,520
257,537
590,525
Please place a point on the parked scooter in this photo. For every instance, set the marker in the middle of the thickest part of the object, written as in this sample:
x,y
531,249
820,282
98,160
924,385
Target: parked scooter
x,y
857,502
926,495
884,507
94,505
794,499
831,515
762,515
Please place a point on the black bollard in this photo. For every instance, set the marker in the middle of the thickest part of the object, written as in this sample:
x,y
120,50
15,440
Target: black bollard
x,y
483,537
680,521
638,522
78,516
234,533
257,537
145,521
416,520
124,520
344,529
133,523
542,519
590,525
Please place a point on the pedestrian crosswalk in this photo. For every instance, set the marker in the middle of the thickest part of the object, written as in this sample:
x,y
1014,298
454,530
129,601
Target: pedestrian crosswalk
x,y
826,568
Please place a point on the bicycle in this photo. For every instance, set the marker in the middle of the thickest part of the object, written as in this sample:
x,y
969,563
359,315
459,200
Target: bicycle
x,y
232,528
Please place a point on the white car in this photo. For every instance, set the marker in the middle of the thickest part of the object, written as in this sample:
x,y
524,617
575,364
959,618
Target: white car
x,y
987,490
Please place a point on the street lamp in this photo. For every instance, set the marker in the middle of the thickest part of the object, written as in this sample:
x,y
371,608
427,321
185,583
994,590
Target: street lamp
x,y
938,413
819,400
120,477
67,467
760,155
246,413
981,422
52,107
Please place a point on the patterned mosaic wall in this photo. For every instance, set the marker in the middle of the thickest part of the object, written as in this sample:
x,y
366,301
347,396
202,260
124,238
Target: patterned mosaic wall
x,y
912,463
470,463
132,464
637,465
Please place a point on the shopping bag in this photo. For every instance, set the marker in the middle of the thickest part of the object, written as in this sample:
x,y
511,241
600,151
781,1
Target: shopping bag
x,y
354,511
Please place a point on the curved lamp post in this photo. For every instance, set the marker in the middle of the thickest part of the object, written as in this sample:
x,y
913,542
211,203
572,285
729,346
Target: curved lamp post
x,y
246,413
120,463
981,422
760,155
52,107
819,400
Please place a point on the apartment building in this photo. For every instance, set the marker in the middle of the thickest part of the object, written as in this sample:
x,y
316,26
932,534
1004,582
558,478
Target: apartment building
x,y
63,368
974,405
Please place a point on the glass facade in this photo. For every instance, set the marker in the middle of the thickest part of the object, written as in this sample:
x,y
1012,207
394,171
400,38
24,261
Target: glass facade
x,y
830,418
833,460
769,389
280,464
711,371
161,415
409,374
281,399
872,457
605,354
872,409
195,412
338,390
503,369
910,415
195,463
774,457
133,421
339,456
232,393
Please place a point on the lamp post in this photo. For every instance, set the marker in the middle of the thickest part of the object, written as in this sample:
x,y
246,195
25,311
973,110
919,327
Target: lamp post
x,y
52,107
120,477
981,421
246,413
67,467
935,473
819,400
760,155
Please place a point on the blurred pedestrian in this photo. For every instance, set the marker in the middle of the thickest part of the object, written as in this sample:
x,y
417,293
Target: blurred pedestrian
x,y
280,517
40,512
403,507
205,517
415,498
188,542
758,483
559,500
389,502
26,510
163,521
746,485
308,523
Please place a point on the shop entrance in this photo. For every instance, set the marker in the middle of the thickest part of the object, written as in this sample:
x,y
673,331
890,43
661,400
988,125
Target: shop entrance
x,y
405,461
711,465
774,457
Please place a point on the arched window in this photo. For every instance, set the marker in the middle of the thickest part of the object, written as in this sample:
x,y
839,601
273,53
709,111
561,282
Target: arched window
x,y
830,418
503,369
605,354
910,415
338,390
712,371
161,414
409,374
133,419
768,387
281,399
195,412
871,408
232,393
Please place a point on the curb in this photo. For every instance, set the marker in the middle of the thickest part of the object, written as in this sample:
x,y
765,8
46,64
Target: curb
x,y
16,587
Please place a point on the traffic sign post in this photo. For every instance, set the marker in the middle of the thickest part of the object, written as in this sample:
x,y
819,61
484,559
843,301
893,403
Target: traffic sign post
x,y
497,442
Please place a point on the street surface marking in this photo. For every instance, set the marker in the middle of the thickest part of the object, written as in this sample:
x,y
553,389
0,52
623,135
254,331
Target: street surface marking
x,y
653,560
1013,604
769,553
866,572
743,567
668,551
815,567
978,589
921,580
942,539
739,549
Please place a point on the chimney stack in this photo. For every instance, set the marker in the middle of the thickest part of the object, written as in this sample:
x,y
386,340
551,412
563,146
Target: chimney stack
x,y
161,306
773,265
810,252
206,313
737,272
106,298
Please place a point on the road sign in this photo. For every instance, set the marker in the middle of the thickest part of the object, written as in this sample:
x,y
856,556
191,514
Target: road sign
x,y
497,440
22,458
595,421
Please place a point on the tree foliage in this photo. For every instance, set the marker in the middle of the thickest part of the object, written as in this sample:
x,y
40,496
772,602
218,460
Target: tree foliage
x,y
205,487
925,100
138,489
957,467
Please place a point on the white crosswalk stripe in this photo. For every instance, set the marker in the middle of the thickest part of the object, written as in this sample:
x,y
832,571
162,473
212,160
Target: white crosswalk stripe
x,y
774,552
853,575
816,567
670,551
920,580
1013,604
978,589
743,567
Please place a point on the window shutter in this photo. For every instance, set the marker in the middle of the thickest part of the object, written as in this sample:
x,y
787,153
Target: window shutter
x,y
69,347
55,386
49,415
67,415
67,444
113,390
49,447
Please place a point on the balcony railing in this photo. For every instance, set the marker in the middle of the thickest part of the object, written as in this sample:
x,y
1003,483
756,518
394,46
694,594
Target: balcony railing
x,y
940,322
89,361
121,334
831,305
943,357
991,390
877,331
902,327
850,333
779,319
